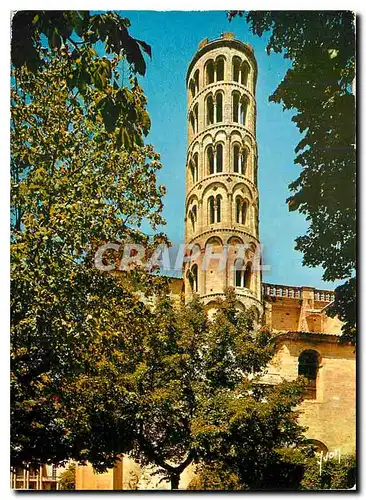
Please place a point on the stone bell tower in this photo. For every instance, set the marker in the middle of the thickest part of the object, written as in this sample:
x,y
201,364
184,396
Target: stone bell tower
x,y
221,211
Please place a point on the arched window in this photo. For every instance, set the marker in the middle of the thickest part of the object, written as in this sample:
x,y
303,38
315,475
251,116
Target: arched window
x,y
220,69
192,169
210,160
236,68
245,73
191,120
236,152
192,88
193,222
219,158
240,210
211,209
193,217
239,273
209,110
248,275
193,278
195,111
244,161
243,112
210,73
236,99
219,107
214,209
197,80
195,167
308,367
218,208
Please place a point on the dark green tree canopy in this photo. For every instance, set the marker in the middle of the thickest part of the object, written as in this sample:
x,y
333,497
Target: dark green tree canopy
x,y
319,89
77,32
74,186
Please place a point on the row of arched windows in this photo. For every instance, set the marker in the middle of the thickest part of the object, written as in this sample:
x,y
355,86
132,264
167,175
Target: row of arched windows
x,y
215,72
215,161
214,211
242,275
214,110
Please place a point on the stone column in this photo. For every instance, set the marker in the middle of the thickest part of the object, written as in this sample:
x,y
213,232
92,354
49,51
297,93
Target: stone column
x,y
230,208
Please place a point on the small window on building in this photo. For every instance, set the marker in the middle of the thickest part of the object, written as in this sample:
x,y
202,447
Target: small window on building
x,y
54,471
210,73
245,74
218,208
193,218
243,112
244,161
192,88
191,120
219,158
236,99
197,80
193,278
209,110
210,160
196,118
240,210
219,107
195,166
308,367
220,69
211,209
236,153
236,69
239,273
248,275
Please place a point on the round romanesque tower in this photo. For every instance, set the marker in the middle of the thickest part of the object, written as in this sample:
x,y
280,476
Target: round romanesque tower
x,y
221,212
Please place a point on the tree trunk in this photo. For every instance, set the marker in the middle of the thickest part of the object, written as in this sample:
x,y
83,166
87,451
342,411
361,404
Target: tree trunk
x,y
174,480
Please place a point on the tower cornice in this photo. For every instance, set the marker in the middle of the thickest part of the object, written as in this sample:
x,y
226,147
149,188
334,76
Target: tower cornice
x,y
222,42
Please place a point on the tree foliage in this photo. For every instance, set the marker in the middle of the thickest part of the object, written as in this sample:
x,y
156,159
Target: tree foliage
x,y
122,109
319,89
335,475
74,186
198,396
295,470
66,480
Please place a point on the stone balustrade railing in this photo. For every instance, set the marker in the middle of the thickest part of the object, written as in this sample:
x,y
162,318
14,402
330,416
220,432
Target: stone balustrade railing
x,y
295,292
324,295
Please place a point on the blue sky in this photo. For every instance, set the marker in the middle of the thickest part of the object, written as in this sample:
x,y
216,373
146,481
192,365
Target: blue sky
x,y
174,37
